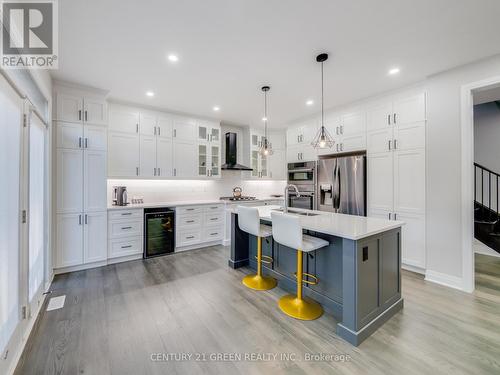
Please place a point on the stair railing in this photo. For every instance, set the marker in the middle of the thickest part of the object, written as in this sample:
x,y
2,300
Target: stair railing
x,y
479,191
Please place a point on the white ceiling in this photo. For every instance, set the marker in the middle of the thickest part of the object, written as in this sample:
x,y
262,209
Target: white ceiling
x,y
229,48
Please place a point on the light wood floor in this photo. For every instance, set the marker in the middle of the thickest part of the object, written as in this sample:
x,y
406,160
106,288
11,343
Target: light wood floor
x,y
115,317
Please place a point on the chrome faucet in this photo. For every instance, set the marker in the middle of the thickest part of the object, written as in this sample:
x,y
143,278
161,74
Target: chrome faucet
x,y
287,188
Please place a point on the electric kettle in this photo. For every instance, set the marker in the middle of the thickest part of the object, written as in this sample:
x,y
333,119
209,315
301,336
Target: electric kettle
x,y
120,195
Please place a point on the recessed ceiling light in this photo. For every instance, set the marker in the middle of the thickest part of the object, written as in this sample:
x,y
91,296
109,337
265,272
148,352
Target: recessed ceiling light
x,y
216,109
264,118
310,102
173,58
394,71
150,94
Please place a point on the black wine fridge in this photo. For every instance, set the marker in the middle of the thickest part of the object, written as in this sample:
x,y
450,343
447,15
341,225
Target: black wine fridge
x,y
159,231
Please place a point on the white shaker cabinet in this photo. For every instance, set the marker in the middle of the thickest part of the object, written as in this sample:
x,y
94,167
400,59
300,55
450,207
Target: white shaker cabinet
x,y
69,180
95,236
164,151
123,120
69,107
147,149
69,240
184,129
380,181
123,155
184,159
95,111
78,136
94,177
72,107
409,181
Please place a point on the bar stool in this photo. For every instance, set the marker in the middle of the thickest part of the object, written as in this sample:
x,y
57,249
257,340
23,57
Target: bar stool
x,y
249,221
287,231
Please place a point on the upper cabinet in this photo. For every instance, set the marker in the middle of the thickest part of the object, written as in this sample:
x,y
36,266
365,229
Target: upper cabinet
x,y
71,107
124,120
150,144
269,167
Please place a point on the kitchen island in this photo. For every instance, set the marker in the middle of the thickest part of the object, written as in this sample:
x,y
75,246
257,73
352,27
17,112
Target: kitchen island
x,y
359,272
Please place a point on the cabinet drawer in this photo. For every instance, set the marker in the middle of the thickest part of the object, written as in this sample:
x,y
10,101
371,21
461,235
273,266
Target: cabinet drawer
x,y
189,221
187,237
188,210
124,247
214,218
125,214
213,233
214,208
125,228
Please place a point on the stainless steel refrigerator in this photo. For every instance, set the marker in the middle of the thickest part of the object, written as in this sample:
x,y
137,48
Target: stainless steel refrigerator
x,y
341,185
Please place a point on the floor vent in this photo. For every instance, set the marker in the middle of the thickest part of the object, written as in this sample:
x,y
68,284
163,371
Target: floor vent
x,y
56,303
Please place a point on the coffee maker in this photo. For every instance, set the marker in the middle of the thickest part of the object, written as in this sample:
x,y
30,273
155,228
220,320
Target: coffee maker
x,y
120,196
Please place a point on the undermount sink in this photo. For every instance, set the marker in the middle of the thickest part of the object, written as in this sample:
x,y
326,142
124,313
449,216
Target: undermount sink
x,y
292,211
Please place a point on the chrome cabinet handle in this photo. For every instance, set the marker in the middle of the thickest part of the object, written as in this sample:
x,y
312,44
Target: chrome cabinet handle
x,y
389,216
79,142
390,144
79,219
189,209
137,128
189,221
126,247
86,143
123,228
395,144
395,216
388,119
159,171
154,171
175,132
214,219
137,171
159,130
127,213
86,219
175,171
189,237
341,129
394,118
80,114
213,234
154,131
86,117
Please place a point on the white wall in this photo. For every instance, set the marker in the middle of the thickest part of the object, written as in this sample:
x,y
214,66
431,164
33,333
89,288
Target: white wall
x,y
182,190
487,135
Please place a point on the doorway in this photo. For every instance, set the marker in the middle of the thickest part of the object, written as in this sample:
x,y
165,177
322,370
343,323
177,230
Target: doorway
x,y
480,183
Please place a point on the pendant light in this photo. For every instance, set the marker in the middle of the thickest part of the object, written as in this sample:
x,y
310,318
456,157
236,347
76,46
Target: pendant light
x,y
265,148
323,138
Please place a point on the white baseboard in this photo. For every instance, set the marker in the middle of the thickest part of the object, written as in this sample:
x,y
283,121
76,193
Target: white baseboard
x,y
411,268
444,279
226,242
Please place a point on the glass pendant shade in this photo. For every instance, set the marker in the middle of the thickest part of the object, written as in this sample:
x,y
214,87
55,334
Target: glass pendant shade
x,y
323,138
265,147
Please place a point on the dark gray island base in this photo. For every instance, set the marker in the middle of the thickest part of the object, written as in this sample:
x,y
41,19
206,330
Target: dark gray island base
x,y
359,280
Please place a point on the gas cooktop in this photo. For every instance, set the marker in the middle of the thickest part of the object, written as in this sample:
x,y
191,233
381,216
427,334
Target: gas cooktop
x,y
242,198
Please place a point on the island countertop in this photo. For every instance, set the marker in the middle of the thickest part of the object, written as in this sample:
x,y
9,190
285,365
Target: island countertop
x,y
346,226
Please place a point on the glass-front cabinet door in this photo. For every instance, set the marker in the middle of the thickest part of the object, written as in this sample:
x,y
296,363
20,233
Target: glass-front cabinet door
x,y
202,133
254,163
215,135
255,141
263,166
215,156
202,160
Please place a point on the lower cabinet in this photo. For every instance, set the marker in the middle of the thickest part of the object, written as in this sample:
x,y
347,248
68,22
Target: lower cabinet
x,y
81,238
198,225
125,233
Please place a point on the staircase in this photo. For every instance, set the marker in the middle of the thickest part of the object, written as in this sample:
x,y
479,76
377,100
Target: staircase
x,y
486,206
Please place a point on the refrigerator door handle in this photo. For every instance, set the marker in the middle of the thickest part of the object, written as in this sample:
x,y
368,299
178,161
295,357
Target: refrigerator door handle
x,y
338,188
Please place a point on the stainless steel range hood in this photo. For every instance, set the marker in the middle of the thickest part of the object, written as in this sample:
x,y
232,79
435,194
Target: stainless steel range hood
x,y
231,152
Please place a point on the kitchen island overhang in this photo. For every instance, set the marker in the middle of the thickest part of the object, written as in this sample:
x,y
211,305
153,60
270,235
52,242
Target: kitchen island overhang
x,y
359,272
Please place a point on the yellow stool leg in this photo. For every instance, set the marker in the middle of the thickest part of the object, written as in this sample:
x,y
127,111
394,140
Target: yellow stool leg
x,y
259,282
300,307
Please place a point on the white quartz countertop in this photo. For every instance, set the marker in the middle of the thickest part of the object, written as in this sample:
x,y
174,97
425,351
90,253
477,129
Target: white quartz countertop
x,y
191,202
346,226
